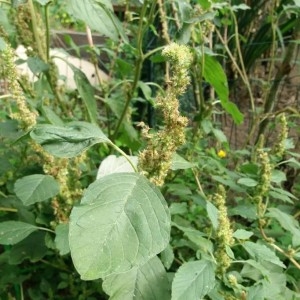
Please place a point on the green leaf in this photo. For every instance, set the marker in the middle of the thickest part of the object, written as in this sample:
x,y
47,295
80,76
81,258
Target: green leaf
x,y
247,211
36,65
205,4
178,208
122,222
297,2
242,234
167,257
220,136
262,253
32,247
197,238
228,182
51,116
193,280
279,193
12,232
278,176
254,270
179,163
146,90
148,281
287,222
240,6
2,44
203,17
273,286
98,15
86,92
213,214
62,239
255,292
113,164
36,188
215,75
69,140
247,182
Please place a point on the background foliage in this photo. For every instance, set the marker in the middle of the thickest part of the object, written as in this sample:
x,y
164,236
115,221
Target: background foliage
x,y
170,170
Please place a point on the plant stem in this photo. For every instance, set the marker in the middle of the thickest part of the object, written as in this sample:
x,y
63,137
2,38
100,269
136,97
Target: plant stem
x,y
34,29
243,69
47,31
138,65
55,266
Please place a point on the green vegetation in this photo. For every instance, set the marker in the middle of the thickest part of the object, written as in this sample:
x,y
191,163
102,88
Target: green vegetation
x,y
170,171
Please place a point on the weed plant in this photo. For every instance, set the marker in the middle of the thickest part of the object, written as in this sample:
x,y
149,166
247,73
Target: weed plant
x,y
132,188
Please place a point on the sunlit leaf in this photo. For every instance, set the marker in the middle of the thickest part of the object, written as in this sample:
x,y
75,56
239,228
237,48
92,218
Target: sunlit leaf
x,y
36,188
193,280
121,222
86,92
215,75
98,15
12,232
213,214
148,281
113,164
287,222
247,182
242,234
179,163
69,140
32,247
262,253
62,238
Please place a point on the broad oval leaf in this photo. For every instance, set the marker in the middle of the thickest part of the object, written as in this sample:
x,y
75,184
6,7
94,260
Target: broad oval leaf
x,y
12,232
288,222
122,221
98,15
179,163
242,234
70,140
262,253
36,188
193,280
247,182
148,281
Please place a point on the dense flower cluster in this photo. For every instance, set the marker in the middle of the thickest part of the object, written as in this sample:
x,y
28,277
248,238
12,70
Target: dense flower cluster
x,y
155,160
224,233
26,117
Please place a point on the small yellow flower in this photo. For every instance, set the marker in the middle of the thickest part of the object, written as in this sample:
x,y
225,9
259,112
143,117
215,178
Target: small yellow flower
x,y
222,153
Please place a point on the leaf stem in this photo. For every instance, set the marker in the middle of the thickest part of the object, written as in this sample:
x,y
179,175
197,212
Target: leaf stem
x,y
46,229
125,155
8,209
